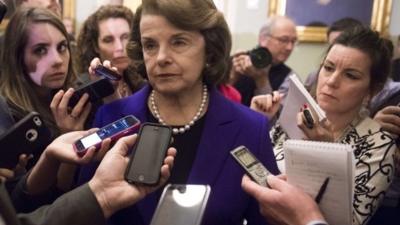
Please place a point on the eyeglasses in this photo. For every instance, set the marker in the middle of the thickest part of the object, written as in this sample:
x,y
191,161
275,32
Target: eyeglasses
x,y
285,40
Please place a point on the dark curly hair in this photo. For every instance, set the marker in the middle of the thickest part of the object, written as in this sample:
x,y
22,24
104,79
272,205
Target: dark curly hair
x,y
88,36
192,15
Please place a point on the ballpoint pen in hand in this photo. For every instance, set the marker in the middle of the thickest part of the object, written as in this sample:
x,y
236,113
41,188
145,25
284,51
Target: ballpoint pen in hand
x,y
322,190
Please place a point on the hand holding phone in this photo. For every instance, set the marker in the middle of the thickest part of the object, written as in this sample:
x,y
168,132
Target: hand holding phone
x,y
115,130
181,205
28,136
107,73
253,167
148,154
96,90
308,118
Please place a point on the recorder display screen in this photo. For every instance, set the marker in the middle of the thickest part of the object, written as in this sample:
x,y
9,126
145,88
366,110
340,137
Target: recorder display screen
x,y
247,159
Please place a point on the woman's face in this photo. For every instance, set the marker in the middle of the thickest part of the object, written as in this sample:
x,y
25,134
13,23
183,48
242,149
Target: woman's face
x,y
344,80
174,58
113,37
46,55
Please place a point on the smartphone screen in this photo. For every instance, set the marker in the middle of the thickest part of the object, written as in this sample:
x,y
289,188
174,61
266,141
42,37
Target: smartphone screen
x,y
181,205
115,130
148,154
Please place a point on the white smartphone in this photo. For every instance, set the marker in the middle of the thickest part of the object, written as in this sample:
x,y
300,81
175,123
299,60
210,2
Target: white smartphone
x,y
181,204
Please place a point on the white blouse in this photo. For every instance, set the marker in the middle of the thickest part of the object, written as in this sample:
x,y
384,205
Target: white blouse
x,y
374,151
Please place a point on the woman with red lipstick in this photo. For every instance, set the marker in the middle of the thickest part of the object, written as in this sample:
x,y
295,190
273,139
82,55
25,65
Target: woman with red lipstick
x,y
355,68
104,35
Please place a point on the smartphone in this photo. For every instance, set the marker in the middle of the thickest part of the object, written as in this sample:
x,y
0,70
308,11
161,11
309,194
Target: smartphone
x,y
115,130
309,121
181,205
3,10
107,73
148,154
27,136
96,90
253,167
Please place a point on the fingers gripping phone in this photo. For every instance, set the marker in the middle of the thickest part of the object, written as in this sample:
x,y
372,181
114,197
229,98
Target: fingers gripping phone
x,y
107,73
27,136
308,118
96,90
253,167
181,205
148,154
115,130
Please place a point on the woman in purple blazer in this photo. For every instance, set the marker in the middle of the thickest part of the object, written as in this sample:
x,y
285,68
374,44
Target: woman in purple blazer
x,y
183,48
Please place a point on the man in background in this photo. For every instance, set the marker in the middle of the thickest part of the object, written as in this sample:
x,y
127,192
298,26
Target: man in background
x,y
279,36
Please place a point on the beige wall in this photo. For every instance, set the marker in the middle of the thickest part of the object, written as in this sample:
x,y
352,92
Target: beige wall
x,y
245,17
244,24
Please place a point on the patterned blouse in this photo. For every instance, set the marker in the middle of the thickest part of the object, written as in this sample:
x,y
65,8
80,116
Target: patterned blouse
x,y
374,152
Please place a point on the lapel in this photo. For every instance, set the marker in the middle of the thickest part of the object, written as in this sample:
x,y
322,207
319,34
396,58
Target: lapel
x,y
137,104
213,149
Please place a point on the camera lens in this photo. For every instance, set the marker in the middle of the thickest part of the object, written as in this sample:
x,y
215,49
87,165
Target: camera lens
x,y
260,57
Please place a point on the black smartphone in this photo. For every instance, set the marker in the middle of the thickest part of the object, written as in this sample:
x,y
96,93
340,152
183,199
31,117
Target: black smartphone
x,y
148,154
96,90
3,10
27,136
253,167
107,73
308,118
115,130
181,205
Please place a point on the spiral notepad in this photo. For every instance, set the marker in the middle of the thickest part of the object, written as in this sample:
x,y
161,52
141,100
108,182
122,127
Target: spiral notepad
x,y
309,163
296,98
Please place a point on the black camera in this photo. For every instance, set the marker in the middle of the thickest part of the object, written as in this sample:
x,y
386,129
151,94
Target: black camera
x,y
260,57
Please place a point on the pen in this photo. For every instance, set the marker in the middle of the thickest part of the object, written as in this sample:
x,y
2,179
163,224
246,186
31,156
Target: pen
x,y
322,190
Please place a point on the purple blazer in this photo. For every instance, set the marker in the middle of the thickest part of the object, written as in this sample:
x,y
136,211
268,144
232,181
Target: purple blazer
x,y
227,125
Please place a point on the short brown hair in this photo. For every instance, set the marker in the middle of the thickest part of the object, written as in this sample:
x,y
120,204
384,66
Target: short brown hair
x,y
194,15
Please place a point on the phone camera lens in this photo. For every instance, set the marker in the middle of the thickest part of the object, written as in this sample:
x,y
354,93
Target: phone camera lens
x,y
37,121
31,135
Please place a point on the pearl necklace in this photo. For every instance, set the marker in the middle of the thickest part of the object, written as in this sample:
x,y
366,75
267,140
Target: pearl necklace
x,y
180,130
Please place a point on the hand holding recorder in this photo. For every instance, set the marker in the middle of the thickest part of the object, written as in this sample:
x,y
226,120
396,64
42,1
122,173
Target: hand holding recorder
x,y
283,202
312,128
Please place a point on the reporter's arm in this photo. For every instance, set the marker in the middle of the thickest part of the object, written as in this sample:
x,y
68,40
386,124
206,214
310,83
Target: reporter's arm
x,y
109,186
283,202
44,173
77,207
